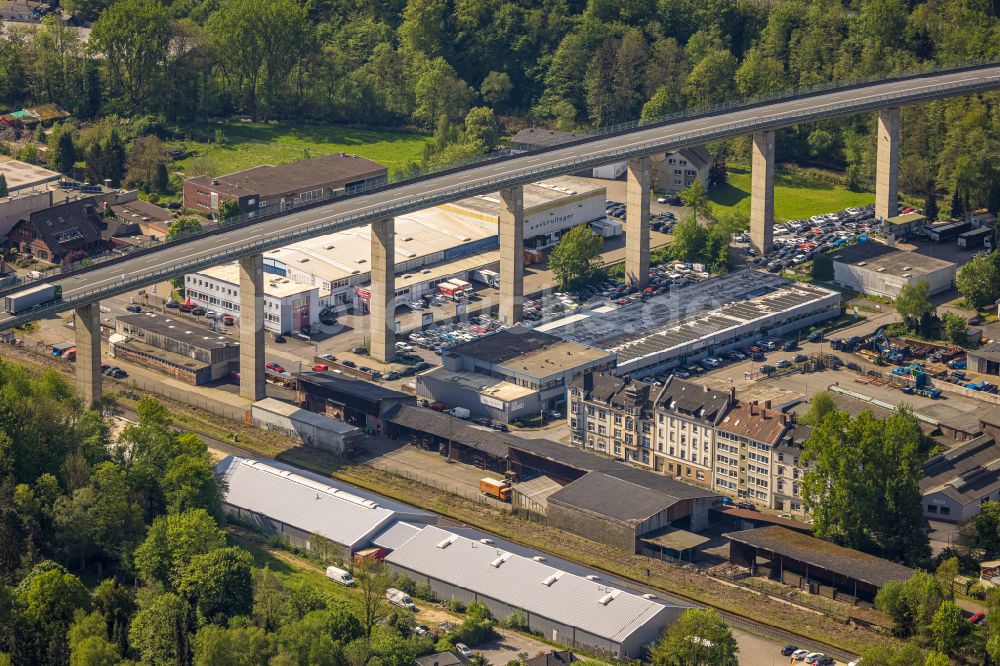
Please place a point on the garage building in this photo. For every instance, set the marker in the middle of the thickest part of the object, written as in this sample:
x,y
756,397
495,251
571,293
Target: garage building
x,y
561,606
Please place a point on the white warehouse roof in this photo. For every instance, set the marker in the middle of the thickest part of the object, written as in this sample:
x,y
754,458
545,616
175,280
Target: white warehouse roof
x,y
310,502
532,585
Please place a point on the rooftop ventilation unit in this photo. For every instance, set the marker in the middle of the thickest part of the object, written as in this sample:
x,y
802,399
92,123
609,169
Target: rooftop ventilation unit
x,y
500,560
444,543
551,579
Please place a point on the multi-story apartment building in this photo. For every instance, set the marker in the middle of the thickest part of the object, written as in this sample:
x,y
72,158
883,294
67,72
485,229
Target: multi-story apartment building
x,y
787,470
746,449
670,428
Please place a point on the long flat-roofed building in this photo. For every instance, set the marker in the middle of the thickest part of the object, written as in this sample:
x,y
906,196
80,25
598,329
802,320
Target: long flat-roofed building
x,y
436,244
560,605
482,395
881,270
267,189
532,359
700,320
296,504
431,246
551,207
176,347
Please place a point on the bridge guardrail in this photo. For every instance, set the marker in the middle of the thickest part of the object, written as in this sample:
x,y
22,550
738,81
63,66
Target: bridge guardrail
x,y
504,154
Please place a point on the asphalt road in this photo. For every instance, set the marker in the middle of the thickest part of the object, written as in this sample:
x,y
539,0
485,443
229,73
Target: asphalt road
x,y
103,281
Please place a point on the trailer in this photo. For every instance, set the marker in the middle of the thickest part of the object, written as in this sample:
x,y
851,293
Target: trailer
x,y
487,277
29,298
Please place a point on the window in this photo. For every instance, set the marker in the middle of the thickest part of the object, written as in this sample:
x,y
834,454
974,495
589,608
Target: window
x,y
618,449
618,433
699,475
931,508
945,510
618,419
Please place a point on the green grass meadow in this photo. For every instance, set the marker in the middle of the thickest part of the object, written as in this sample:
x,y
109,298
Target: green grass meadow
x,y
796,195
247,145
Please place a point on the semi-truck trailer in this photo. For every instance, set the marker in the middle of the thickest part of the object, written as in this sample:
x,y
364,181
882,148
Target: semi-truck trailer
x,y
29,298
487,277
495,488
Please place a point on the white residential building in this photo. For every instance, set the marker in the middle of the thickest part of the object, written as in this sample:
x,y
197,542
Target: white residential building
x,y
288,305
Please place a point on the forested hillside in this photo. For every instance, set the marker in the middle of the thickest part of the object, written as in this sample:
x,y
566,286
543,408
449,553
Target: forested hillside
x,y
564,63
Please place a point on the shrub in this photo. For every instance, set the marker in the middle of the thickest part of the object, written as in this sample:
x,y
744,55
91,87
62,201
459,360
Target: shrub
x,y
456,606
424,591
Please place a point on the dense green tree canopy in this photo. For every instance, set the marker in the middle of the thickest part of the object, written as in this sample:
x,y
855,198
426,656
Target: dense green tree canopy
x,y
861,483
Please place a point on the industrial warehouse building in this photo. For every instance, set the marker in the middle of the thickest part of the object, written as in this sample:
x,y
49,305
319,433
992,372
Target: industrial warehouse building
x,y
551,207
313,430
685,325
179,348
881,270
482,395
532,359
561,606
436,244
295,504
620,505
359,403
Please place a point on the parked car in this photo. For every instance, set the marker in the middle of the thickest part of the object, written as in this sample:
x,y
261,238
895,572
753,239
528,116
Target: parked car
x,y
784,363
199,311
279,338
349,363
133,308
319,367
363,351
788,650
767,369
746,505
463,650
800,358
172,304
392,376
228,320
275,367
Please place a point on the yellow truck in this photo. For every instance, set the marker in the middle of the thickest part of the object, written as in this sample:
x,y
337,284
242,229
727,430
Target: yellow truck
x,y
495,488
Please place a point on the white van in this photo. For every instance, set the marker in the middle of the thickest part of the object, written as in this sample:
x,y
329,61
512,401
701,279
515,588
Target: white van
x,y
340,576
400,598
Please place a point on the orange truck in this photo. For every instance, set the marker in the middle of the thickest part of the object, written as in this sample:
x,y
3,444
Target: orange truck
x,y
495,488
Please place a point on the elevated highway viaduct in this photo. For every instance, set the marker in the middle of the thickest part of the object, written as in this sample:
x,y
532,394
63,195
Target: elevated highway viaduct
x,y
83,289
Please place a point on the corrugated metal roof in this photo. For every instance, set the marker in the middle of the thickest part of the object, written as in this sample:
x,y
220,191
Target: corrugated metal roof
x,y
534,586
315,505
396,535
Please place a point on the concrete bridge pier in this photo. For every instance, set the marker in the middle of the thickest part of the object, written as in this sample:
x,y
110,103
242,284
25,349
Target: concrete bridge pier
x,y
762,192
511,254
88,352
887,167
637,222
382,305
252,384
